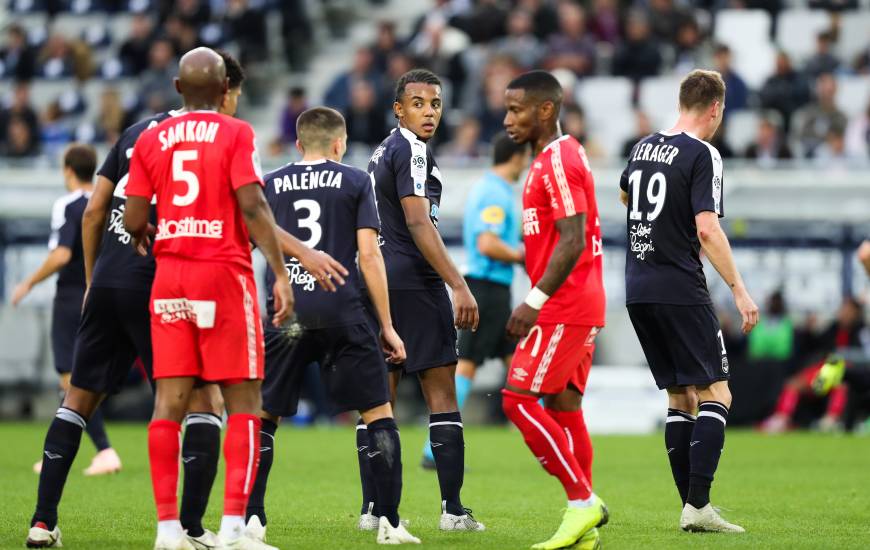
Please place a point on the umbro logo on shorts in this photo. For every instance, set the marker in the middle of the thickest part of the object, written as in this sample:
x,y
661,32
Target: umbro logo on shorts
x,y
519,373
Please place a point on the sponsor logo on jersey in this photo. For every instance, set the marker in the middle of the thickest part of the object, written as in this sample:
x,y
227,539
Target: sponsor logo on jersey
x,y
641,240
116,224
189,227
299,276
531,224
519,374
199,312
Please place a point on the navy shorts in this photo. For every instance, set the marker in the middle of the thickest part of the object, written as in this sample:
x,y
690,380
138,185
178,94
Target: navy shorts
x,y
351,367
424,321
683,344
115,330
66,312
490,340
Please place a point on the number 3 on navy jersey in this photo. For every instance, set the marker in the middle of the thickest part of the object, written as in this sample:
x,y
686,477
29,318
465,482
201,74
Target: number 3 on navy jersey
x,y
309,222
656,191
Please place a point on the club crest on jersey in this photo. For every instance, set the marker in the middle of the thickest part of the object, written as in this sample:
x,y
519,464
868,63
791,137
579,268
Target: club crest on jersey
x,y
376,156
717,192
641,240
531,224
299,276
725,366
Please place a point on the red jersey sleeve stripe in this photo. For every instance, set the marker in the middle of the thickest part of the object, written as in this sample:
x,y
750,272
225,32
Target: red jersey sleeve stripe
x,y
562,181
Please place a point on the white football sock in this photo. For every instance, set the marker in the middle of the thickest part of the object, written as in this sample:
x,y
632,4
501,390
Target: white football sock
x,y
582,503
170,529
232,527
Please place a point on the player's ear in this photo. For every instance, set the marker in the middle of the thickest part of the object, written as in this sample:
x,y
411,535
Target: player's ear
x,y
397,110
300,148
177,82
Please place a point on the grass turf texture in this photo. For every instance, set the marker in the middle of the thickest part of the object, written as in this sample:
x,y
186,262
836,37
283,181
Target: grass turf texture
x,y
795,491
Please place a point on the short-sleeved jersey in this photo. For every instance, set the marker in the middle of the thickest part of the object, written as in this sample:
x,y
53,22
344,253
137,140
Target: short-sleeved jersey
x,y
118,265
669,179
560,185
194,163
402,166
323,204
490,207
66,231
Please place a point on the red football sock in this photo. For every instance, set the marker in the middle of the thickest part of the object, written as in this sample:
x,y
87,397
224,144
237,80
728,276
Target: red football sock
x,y
242,454
788,401
164,445
837,400
547,441
574,426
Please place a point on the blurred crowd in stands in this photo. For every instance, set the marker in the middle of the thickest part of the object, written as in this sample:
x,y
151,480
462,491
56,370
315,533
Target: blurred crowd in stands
x,y
476,45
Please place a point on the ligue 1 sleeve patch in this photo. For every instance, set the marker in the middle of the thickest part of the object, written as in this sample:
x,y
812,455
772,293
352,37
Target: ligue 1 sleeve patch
x,y
493,215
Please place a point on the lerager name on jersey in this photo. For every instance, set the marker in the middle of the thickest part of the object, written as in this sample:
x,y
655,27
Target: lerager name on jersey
x,y
657,153
190,130
307,181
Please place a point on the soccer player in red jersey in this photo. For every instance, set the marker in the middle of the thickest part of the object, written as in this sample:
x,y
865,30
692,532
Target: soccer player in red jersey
x,y
557,323
204,169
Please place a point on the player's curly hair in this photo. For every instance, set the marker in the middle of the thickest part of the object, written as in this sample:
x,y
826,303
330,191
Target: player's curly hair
x,y
423,76
235,72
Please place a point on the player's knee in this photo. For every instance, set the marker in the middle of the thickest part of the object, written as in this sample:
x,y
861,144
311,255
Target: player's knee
x,y
686,401
512,400
82,401
207,399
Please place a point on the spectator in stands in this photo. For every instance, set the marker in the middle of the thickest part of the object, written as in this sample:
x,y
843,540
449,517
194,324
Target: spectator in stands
x,y
247,26
785,91
156,83
544,15
296,33
604,21
365,119
520,42
719,142
833,5
643,128
832,152
386,44
297,102
736,91
466,144
398,64
769,145
638,56
18,58
499,71
858,135
183,35
574,124
110,119
195,13
690,51
821,116
134,51
20,109
484,22
823,61
55,59
572,48
665,19
861,64
55,131
338,94
19,140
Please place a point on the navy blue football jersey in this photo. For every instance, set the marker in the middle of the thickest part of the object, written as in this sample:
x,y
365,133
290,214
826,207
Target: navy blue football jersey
x,y
323,204
118,265
66,230
402,166
669,179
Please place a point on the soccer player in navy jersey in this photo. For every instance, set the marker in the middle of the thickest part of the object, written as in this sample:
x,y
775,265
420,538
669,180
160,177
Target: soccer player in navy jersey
x,y
407,185
672,187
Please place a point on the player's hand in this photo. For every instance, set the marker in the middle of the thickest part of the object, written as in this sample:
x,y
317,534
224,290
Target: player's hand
x,y
143,242
747,308
283,301
467,316
324,268
394,348
21,290
522,320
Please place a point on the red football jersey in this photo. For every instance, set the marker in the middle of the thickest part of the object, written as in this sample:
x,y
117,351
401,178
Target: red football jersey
x,y
560,185
193,163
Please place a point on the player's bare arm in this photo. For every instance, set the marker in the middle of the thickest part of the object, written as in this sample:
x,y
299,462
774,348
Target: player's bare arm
x,y
491,246
864,255
623,197
93,221
715,244
371,265
54,262
261,225
572,242
428,240
319,264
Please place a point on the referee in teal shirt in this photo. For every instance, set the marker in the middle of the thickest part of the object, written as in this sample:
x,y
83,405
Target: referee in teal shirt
x,y
491,236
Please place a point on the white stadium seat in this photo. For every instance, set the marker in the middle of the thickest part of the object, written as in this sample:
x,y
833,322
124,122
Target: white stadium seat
x,y
606,102
659,99
741,128
796,32
747,33
854,35
853,94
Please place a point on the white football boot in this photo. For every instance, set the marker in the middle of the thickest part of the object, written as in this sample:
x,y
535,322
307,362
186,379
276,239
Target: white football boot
x,y
465,522
706,520
40,537
206,541
387,534
368,521
255,530
173,543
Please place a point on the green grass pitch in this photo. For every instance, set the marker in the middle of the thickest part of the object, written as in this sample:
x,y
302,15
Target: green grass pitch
x,y
802,491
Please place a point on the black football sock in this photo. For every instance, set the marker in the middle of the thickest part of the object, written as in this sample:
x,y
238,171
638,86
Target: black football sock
x,y
96,429
200,452
366,477
708,440
256,502
858,379
678,434
448,446
385,459
59,452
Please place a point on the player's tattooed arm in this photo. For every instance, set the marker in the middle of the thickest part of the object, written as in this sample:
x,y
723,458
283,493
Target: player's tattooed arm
x,y
429,242
572,242
261,226
319,264
715,244
93,222
371,265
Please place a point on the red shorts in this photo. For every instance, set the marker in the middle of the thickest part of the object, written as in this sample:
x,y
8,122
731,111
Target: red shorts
x,y
205,321
551,357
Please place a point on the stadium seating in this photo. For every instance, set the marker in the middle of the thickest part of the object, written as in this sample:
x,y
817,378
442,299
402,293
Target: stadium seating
x,y
659,98
797,29
853,93
607,104
854,34
747,33
740,129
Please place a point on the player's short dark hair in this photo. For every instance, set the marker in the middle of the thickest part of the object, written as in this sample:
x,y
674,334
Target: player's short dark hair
x,y
504,149
82,160
317,127
699,89
235,72
415,76
540,85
